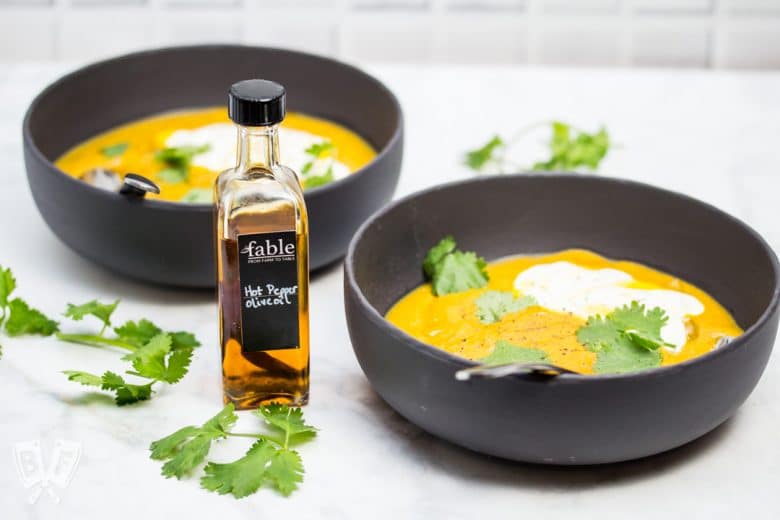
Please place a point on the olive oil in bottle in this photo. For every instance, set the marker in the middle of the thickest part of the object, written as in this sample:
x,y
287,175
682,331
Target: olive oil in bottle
x,y
262,259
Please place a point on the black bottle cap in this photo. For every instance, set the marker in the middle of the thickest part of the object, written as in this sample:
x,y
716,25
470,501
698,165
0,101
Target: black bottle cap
x,y
256,102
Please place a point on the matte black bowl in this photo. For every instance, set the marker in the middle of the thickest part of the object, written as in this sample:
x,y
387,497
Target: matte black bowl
x,y
171,243
569,419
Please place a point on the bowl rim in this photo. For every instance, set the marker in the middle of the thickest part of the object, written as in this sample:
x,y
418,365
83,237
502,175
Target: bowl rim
x,y
444,356
202,207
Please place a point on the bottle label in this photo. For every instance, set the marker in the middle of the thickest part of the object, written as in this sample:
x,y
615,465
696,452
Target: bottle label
x,y
268,281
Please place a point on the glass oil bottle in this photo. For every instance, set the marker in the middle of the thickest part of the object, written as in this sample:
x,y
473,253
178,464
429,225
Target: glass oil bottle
x,y
262,252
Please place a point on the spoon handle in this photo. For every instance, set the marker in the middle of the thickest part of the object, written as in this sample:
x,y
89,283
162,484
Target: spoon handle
x,y
509,369
135,185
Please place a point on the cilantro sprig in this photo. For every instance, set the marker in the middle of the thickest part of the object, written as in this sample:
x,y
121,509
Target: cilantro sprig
x,y
317,151
270,461
626,340
488,153
451,270
16,315
313,181
177,160
154,355
574,149
186,448
570,149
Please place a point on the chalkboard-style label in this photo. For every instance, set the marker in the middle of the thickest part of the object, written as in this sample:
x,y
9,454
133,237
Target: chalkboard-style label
x,y
268,282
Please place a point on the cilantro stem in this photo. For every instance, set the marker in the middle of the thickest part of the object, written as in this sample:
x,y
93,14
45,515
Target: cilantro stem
x,y
258,436
524,131
92,339
502,159
287,430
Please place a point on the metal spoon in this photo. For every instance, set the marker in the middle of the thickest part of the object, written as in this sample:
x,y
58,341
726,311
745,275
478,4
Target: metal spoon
x,y
508,369
132,184
135,185
722,341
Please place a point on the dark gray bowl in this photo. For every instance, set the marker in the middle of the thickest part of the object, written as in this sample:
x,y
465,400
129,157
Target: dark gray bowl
x,y
169,243
569,419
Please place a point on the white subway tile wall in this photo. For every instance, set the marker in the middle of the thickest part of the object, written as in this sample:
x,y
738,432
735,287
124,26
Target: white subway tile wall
x,y
579,42
672,45
674,6
580,6
743,34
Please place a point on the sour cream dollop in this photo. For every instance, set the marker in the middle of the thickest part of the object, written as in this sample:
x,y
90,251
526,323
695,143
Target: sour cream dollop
x,y
566,287
221,155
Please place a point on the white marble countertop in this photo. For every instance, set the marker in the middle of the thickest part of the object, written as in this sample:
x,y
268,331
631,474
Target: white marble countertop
x,y
709,134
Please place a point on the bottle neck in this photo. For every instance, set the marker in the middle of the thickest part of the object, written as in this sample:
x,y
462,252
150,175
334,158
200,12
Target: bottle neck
x,y
258,147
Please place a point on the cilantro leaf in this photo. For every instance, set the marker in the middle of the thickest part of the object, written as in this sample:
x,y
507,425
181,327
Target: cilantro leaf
x,y
153,361
288,420
504,352
22,319
285,471
125,393
169,446
623,355
137,333
114,150
633,320
315,181
183,340
7,286
317,149
180,156
598,333
242,477
149,360
85,378
437,253
190,455
177,159
101,311
223,421
479,158
451,270
178,365
493,305
572,152
187,448
458,271
643,340
626,340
